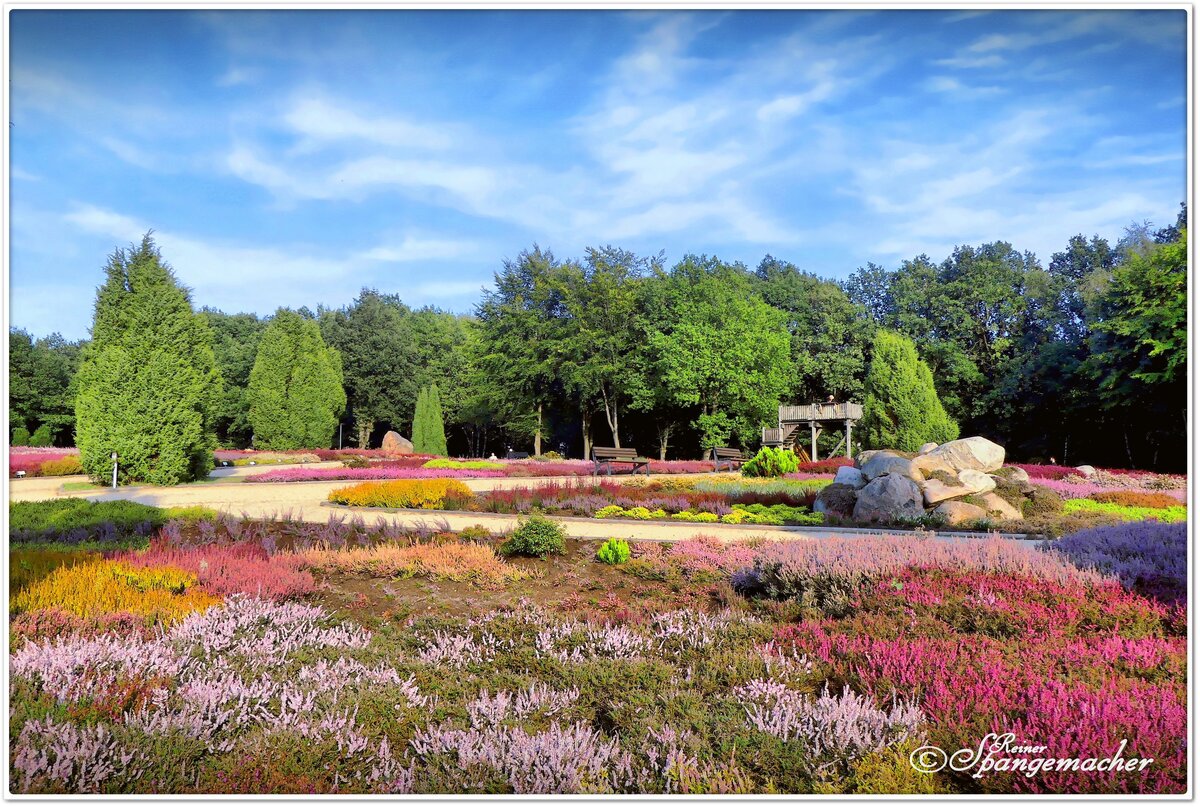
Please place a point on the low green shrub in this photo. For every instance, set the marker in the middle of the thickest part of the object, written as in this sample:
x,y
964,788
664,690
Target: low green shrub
x,y
614,552
1126,512
1041,502
76,521
41,437
536,537
776,514
771,462
548,456
20,436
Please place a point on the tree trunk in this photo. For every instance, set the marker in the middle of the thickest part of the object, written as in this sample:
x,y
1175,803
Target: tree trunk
x,y
537,435
664,439
364,433
587,435
1128,450
610,414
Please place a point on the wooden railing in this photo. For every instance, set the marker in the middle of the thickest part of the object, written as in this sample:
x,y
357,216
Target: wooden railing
x,y
820,411
772,437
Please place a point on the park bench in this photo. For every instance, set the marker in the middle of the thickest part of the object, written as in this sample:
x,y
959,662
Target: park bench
x,y
604,456
516,455
732,457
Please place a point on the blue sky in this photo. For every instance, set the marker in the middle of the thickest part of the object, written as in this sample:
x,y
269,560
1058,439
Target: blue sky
x,y
291,158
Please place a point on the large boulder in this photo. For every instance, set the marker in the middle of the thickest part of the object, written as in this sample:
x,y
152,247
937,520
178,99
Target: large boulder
x,y
998,505
836,500
971,453
1086,471
928,464
1017,474
938,490
393,443
888,498
976,481
886,462
957,513
848,475
926,448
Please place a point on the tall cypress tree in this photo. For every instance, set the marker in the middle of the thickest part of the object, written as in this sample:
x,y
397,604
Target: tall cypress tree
x,y
902,409
148,380
295,391
419,439
435,427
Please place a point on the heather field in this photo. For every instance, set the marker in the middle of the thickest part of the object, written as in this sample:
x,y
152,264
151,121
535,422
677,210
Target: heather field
x,y
185,652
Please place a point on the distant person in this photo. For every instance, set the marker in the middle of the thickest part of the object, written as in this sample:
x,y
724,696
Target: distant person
x,y
493,458
829,400
1053,461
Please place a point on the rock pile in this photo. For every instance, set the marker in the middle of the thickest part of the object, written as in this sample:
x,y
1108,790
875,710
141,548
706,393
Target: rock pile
x,y
956,481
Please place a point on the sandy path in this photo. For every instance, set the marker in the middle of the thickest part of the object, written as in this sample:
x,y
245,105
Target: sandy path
x,y
305,501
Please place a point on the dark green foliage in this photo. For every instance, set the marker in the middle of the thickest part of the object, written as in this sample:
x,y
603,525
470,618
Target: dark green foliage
x,y
42,383
536,537
148,382
1041,501
41,436
902,409
614,552
435,428
75,521
295,392
771,462
235,346
20,436
420,422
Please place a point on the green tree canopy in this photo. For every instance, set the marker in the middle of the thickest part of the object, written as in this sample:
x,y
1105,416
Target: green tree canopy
x,y
295,391
235,345
718,348
902,410
148,381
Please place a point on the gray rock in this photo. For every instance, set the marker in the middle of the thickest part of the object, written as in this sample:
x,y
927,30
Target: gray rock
x,y
835,499
957,513
852,477
1017,474
997,504
936,490
976,481
1086,470
928,464
393,443
971,453
889,497
885,462
865,456
926,448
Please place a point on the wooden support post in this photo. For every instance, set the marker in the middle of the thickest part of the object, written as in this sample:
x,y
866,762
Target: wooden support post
x,y
849,450
815,431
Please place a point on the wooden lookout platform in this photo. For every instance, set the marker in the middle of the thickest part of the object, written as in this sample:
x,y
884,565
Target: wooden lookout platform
x,y
816,417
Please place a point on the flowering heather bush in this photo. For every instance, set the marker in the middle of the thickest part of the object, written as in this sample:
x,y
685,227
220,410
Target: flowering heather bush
x,y
333,474
833,729
76,521
243,568
48,623
426,494
467,465
1172,514
1147,557
829,572
703,557
471,563
1137,498
539,699
106,587
43,461
78,759
827,466
561,759
1045,471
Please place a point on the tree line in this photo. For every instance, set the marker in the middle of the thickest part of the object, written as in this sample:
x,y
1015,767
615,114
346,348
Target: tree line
x,y
1083,359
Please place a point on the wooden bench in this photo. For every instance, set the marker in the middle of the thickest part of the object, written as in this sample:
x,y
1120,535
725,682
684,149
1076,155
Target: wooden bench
x,y
733,457
602,456
516,455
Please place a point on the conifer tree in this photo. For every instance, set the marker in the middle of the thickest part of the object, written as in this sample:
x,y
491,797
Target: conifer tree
x,y
295,391
902,410
148,379
418,429
435,427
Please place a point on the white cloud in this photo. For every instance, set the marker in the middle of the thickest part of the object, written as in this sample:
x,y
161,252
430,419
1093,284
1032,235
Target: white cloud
x,y
416,249
319,121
